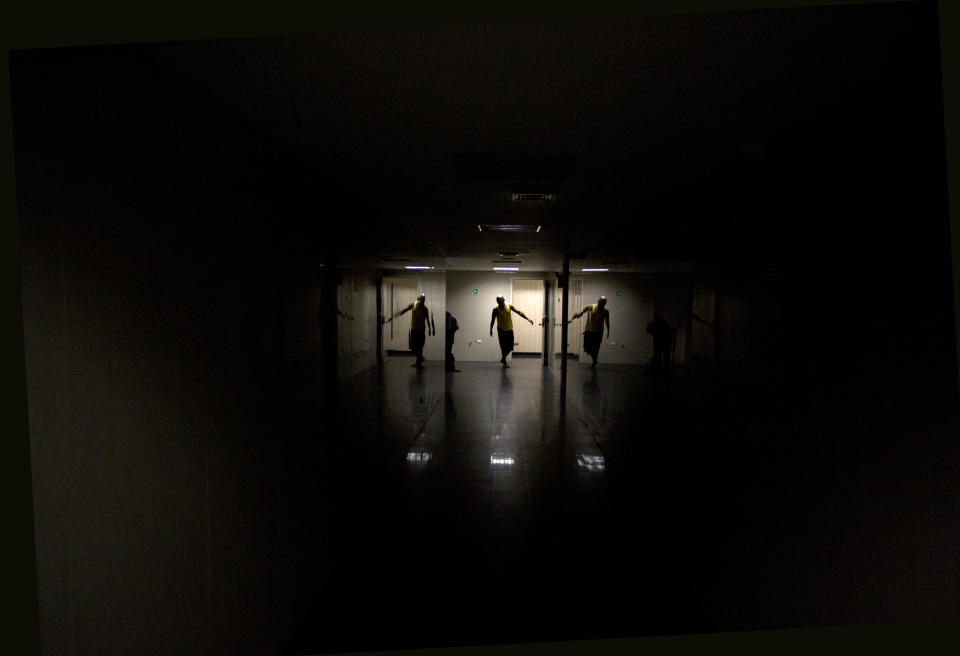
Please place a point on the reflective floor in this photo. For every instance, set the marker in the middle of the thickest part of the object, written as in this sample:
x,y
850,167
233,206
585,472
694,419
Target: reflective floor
x,y
480,511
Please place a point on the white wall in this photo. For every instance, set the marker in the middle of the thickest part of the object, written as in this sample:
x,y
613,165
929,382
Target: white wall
x,y
473,312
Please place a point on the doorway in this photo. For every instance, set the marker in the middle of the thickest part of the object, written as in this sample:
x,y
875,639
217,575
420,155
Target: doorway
x,y
528,296
576,328
398,293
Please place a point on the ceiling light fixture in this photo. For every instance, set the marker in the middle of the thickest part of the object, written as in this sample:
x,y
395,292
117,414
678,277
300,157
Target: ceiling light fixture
x,y
418,267
506,268
593,270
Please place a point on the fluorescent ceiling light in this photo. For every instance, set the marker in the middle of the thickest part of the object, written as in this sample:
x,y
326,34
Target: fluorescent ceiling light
x,y
506,268
591,463
418,456
418,267
506,227
590,270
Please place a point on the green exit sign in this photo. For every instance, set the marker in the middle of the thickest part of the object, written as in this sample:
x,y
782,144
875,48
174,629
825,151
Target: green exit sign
x,y
619,293
475,291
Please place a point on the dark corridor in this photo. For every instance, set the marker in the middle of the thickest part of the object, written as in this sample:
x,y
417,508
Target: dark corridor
x,y
481,514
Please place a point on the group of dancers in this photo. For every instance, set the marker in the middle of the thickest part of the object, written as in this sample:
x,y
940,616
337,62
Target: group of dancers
x,y
421,322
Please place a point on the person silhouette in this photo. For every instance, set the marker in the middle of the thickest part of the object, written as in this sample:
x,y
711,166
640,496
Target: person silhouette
x,y
502,316
420,320
451,327
663,337
593,334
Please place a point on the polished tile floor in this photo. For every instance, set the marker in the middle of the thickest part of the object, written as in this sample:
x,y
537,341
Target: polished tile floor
x,y
481,511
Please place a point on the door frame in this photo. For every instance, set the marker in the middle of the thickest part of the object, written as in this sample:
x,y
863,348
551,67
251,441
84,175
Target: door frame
x,y
543,344
574,347
388,304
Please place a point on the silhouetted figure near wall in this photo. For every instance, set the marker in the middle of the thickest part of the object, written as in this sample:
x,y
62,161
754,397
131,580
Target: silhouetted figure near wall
x,y
451,327
663,337
598,315
502,316
420,320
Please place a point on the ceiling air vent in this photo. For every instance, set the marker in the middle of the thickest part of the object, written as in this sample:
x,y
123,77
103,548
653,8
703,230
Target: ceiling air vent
x,y
490,227
533,198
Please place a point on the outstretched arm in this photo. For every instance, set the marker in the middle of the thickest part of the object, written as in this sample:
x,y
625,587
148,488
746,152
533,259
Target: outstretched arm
x,y
493,319
701,320
579,314
406,309
433,329
522,315
606,320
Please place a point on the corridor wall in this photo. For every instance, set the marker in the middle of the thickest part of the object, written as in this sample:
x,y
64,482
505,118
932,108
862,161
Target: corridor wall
x,y
356,323
172,358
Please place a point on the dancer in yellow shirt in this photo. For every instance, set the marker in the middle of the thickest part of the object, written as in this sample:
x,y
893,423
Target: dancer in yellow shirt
x,y
502,316
419,321
593,334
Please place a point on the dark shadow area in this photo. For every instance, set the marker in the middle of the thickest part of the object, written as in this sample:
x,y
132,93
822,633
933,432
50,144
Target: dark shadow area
x,y
227,461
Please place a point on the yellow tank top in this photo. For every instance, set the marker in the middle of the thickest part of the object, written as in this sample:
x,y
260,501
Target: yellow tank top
x,y
504,320
595,320
418,316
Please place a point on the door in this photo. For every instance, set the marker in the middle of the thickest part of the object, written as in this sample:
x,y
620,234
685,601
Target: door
x,y
575,330
344,312
398,293
528,297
